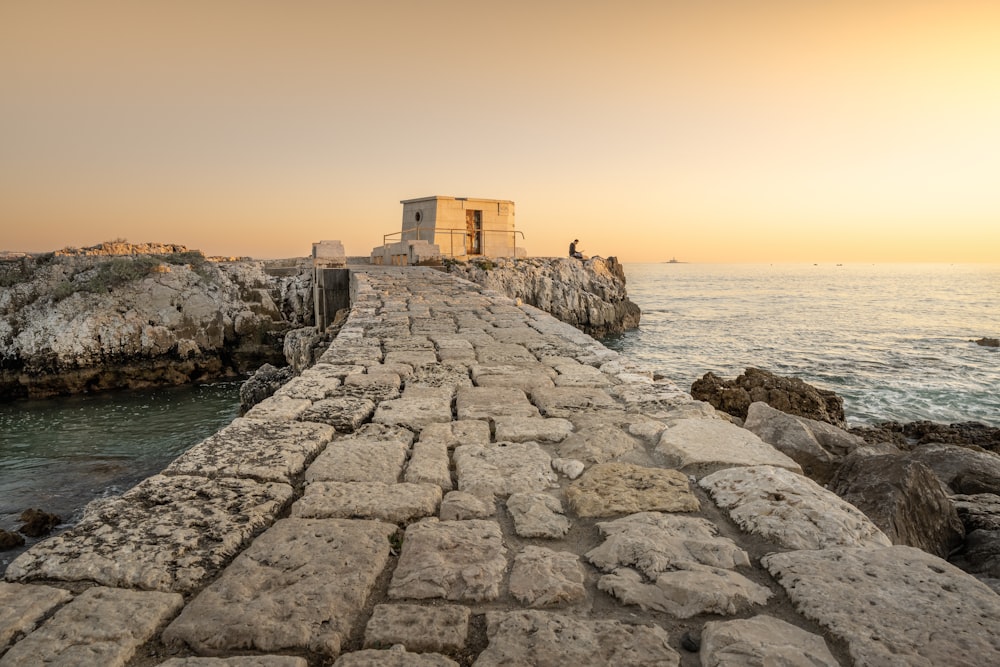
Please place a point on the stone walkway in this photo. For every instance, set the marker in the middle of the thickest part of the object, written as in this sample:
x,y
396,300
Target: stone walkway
x,y
465,480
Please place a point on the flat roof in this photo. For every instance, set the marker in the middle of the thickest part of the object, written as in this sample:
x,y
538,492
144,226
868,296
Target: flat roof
x,y
498,201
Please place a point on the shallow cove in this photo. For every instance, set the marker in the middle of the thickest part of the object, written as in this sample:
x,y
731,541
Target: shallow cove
x,y
59,454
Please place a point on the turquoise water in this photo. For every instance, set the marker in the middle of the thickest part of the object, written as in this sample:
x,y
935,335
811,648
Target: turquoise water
x,y
60,453
893,340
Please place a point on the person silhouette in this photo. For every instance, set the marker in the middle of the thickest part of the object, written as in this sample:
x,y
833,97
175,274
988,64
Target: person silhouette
x,y
573,251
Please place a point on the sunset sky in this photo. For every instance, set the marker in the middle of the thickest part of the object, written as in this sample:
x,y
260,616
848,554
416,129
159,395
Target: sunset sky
x,y
723,131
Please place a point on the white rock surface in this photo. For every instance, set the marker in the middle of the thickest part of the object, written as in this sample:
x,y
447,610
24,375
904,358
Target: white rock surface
x,y
537,515
762,640
23,606
503,468
532,429
702,446
541,577
395,503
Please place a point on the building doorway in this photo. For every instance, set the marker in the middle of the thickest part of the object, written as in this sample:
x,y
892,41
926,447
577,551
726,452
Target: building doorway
x,y
474,232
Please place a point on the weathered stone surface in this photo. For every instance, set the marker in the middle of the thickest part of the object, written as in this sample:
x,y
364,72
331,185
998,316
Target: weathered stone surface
x,y
416,409
300,586
429,464
816,446
414,358
454,560
762,640
503,468
894,606
527,382
542,577
374,376
344,413
310,386
491,402
532,429
579,375
622,488
537,515
453,434
241,661
789,509
653,542
23,606
266,451
101,626
396,503
459,505
396,656
980,554
422,628
702,446
359,460
696,589
504,353
544,639
790,395
278,408
565,402
166,533
904,499
571,468
597,445
447,378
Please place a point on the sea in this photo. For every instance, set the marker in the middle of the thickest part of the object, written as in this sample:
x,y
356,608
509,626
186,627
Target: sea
x,y
894,340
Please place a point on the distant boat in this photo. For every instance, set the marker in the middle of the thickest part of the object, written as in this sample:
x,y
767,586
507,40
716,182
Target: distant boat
x,y
673,260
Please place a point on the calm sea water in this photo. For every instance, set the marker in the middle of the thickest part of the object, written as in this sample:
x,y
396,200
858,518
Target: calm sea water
x,y
61,453
893,340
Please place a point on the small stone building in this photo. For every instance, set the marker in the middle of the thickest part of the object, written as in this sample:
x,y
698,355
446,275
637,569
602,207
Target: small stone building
x,y
451,227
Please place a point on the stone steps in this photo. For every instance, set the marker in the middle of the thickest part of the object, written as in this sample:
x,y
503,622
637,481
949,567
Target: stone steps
x,y
465,480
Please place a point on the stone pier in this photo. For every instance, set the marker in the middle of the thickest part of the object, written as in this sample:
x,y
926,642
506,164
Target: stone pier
x,y
465,480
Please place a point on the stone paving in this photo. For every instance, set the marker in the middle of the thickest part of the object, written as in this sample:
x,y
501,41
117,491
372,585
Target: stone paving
x,y
464,480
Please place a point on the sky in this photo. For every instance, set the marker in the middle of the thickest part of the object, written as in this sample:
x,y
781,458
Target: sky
x,y
723,131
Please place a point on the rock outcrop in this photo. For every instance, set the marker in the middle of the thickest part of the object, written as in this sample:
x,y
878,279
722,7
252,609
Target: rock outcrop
x,y
988,342
790,395
116,316
588,294
922,432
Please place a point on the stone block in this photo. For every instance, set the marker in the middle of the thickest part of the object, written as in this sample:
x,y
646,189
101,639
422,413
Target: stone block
x,y
501,469
504,353
266,451
895,606
542,577
312,387
278,408
429,464
459,505
622,488
696,589
702,446
566,402
492,402
301,586
359,460
532,429
790,510
545,639
101,626
396,656
537,515
239,661
166,533
597,444
23,606
762,640
652,543
453,560
422,628
344,413
395,503
453,434
415,410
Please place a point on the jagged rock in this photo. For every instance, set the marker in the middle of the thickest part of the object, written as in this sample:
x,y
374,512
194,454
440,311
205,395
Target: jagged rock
x,y
762,640
981,510
9,540
37,523
923,432
589,295
964,470
816,446
790,395
896,606
262,384
980,553
101,320
988,342
903,498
